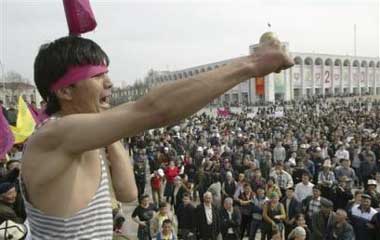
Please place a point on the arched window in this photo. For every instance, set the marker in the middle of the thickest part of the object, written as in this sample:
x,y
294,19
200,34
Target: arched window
x,y
356,63
318,61
308,61
298,60
338,62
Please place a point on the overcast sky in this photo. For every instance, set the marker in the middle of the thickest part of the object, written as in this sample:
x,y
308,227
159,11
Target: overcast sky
x,y
168,35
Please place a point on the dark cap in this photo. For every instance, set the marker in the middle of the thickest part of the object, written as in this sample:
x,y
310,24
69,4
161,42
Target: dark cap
x,y
366,196
326,203
6,186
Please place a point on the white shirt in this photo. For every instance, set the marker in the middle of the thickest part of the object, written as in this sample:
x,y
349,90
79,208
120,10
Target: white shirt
x,y
208,211
356,211
230,230
302,191
342,154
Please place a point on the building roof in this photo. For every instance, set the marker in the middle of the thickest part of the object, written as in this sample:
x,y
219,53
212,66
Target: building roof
x,y
17,85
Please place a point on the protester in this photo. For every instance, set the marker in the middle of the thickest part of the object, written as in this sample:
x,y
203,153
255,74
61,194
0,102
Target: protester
x,y
167,231
230,220
342,230
361,216
208,219
186,218
273,215
142,215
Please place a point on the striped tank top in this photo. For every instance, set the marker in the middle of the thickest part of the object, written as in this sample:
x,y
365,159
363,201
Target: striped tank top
x,y
92,222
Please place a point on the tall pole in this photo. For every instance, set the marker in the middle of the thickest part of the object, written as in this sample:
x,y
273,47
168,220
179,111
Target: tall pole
x,y
355,40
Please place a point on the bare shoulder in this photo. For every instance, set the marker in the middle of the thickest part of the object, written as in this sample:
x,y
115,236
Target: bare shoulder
x,y
42,154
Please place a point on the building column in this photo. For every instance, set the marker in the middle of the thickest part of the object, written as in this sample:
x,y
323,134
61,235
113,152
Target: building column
x,y
251,90
374,80
341,78
359,78
302,81
367,84
332,77
291,89
288,89
350,79
269,88
323,77
313,78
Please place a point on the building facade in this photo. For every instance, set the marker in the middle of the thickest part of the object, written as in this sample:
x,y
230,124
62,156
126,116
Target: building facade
x,y
10,92
314,74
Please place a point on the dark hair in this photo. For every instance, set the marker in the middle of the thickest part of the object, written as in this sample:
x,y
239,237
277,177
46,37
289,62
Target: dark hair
x,y
357,192
55,58
162,205
142,197
166,221
299,215
186,195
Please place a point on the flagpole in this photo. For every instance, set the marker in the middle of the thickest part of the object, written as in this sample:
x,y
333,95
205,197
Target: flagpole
x,y
355,42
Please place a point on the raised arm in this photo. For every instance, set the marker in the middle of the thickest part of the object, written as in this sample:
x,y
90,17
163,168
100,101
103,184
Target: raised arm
x,y
164,105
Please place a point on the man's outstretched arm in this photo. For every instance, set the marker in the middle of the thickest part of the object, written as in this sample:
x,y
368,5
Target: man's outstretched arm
x,y
166,104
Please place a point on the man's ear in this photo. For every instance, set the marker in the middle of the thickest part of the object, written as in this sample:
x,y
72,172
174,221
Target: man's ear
x,y
65,93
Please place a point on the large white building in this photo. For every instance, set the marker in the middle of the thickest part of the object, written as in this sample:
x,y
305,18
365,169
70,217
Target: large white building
x,y
313,74
10,92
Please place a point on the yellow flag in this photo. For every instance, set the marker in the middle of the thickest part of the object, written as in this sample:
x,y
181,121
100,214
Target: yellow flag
x,y
25,122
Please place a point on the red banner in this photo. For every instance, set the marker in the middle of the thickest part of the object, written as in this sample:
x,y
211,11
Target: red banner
x,y
223,112
79,16
260,86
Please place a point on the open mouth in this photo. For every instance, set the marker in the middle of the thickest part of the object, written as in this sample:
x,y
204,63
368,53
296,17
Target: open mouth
x,y
105,101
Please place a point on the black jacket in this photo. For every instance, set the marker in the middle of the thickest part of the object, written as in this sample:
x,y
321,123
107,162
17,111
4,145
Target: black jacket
x,y
178,197
295,207
204,230
185,215
234,222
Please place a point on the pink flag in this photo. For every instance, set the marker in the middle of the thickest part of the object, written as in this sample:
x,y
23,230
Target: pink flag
x,y
34,112
42,115
79,16
39,115
6,136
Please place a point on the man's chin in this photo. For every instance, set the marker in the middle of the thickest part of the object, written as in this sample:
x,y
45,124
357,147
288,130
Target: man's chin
x,y
104,107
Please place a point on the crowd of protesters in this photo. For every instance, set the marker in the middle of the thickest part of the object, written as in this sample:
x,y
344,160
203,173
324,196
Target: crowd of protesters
x,y
311,173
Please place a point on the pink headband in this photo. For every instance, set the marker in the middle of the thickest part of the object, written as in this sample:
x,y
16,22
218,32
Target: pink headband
x,y
78,73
